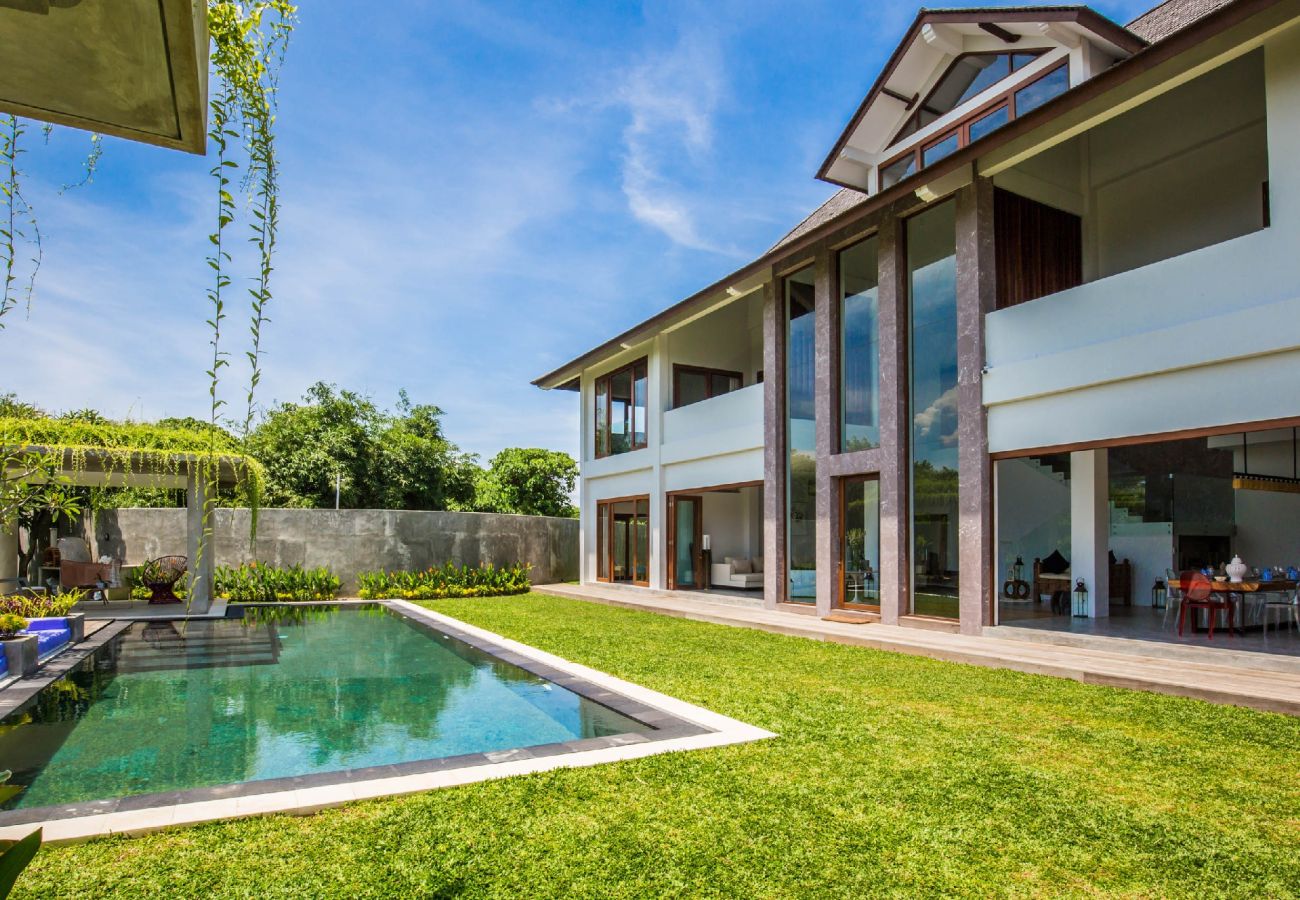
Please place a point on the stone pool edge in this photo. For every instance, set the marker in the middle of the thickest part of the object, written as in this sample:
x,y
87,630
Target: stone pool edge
x,y
679,726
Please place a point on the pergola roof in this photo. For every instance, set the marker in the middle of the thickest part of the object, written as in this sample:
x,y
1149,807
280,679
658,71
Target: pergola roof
x,y
135,69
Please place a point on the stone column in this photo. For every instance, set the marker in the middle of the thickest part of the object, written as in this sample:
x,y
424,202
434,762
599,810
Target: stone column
x,y
1090,527
659,381
773,445
895,554
825,369
8,551
201,560
976,296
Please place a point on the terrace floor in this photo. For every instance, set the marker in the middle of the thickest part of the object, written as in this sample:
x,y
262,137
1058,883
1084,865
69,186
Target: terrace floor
x,y
1216,674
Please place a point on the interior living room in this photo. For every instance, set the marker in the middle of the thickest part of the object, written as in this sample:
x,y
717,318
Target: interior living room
x,y
1222,511
715,540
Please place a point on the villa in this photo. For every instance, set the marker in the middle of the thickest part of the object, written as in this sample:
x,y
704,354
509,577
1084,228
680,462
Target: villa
x,y
1040,351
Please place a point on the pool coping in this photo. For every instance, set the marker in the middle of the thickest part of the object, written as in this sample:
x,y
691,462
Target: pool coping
x,y
677,726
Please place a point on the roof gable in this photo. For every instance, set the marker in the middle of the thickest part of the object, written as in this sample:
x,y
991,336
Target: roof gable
x,y
939,38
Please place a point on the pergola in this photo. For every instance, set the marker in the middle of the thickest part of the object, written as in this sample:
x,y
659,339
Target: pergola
x,y
196,471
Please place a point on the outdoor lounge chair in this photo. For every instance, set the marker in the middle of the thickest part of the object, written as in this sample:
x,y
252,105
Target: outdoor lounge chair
x,y
160,576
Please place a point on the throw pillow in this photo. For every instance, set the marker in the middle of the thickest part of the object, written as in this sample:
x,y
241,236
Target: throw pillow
x,y
1056,564
742,567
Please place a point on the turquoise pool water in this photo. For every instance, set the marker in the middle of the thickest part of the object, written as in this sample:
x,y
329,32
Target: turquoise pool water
x,y
283,692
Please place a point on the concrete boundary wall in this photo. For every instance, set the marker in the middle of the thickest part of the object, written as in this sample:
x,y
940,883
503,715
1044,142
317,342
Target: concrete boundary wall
x,y
350,541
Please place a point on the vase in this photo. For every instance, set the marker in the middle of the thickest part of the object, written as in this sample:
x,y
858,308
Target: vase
x,y
1236,569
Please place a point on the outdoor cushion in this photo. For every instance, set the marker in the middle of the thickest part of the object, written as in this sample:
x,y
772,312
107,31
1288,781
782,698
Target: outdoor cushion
x,y
50,633
1056,564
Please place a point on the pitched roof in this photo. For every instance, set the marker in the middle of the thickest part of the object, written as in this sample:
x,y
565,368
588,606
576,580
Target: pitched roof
x,y
1159,22
839,203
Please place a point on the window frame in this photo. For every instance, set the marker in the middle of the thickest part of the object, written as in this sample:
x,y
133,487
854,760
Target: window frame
x,y
603,439
961,127
679,368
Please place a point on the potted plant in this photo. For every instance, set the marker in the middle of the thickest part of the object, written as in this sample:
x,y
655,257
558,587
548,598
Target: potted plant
x,y
21,650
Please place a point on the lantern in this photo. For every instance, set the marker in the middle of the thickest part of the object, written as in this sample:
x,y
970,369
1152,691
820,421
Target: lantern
x,y
1018,569
1159,594
1081,599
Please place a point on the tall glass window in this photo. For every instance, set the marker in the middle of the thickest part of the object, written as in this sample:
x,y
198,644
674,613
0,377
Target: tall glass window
x,y
620,419
932,300
859,347
801,437
860,542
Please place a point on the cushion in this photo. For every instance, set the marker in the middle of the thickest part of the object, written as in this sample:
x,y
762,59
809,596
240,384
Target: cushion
x,y
758,564
741,567
1056,564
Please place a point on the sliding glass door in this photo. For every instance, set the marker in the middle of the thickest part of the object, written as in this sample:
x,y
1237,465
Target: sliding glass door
x,y
860,542
684,543
623,540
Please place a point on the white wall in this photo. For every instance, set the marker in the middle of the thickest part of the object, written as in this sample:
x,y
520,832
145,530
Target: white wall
x,y
1033,515
1211,337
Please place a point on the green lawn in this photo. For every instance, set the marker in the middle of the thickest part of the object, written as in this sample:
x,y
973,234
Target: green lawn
x,y
893,775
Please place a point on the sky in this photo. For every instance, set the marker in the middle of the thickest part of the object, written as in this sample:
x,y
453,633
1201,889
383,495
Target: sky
x,y
473,193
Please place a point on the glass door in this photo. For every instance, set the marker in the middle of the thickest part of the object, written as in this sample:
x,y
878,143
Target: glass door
x,y
686,552
860,543
623,540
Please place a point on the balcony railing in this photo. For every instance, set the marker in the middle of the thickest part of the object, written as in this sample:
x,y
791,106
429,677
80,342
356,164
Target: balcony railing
x,y
724,424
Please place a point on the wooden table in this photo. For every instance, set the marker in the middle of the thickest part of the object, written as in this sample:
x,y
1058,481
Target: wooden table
x,y
1246,588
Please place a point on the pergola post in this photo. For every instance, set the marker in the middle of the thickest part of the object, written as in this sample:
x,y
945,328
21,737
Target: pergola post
x,y
202,557
9,550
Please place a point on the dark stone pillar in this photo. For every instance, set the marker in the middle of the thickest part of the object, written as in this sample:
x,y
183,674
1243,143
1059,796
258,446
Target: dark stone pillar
x,y
827,367
975,297
894,533
773,445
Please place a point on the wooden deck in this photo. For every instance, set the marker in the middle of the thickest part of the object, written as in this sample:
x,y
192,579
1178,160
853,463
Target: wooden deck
x,y
1226,678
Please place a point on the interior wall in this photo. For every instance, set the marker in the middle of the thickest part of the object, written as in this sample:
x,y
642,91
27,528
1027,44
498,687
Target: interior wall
x,y
1181,172
1268,528
730,338
726,521
1033,504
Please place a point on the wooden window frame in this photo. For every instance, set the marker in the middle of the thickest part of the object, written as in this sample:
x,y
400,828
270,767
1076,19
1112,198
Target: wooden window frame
x,y
603,440
921,106
608,543
961,127
678,369
842,574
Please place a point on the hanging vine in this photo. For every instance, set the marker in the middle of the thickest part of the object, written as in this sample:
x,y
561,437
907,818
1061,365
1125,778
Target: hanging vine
x,y
19,228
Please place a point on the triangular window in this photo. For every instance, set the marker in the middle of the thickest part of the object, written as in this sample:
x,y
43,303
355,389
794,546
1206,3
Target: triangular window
x,y
969,74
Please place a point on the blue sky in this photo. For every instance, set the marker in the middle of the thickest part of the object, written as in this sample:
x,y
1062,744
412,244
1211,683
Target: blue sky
x,y
473,193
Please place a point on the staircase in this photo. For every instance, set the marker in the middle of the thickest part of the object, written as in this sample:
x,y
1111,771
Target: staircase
x,y
169,645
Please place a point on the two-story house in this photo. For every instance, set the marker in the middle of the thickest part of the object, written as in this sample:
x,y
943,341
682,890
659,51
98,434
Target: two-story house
x,y
1046,334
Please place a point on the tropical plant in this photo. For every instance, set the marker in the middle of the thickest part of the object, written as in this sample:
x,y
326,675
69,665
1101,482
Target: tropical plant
x,y
261,583
11,624
450,580
42,606
14,855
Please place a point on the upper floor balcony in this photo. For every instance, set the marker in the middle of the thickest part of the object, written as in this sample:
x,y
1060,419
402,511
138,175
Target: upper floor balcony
x,y
728,423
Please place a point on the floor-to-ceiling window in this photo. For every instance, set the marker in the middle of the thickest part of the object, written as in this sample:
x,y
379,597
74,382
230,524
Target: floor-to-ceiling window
x,y
859,347
801,438
860,541
932,357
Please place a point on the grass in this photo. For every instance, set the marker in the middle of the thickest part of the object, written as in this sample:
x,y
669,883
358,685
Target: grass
x,y
892,776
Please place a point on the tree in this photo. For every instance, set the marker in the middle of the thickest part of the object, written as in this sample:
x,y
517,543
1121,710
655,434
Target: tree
x,y
33,495
382,460
528,481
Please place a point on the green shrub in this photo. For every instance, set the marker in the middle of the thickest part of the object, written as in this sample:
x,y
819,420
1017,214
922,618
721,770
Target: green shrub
x,y
41,606
448,581
11,624
261,583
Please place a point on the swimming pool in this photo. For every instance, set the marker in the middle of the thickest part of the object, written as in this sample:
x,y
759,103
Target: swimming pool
x,y
284,695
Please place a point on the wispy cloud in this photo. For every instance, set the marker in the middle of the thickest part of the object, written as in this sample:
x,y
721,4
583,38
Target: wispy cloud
x,y
671,98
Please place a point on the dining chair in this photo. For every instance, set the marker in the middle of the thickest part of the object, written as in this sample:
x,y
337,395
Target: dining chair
x,y
1283,605
1173,595
1199,594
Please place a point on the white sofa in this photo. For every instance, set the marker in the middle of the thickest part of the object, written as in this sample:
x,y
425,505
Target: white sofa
x,y
742,574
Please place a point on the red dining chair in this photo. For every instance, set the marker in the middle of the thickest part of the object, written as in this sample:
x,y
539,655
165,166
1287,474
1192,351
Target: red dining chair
x,y
1199,594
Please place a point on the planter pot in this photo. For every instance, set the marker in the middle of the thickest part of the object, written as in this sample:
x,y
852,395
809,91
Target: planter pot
x,y
77,625
21,653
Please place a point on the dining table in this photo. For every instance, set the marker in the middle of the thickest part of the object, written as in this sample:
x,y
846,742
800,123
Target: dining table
x,y
1248,590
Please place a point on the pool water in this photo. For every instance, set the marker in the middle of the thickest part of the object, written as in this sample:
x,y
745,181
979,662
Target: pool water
x,y
285,691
